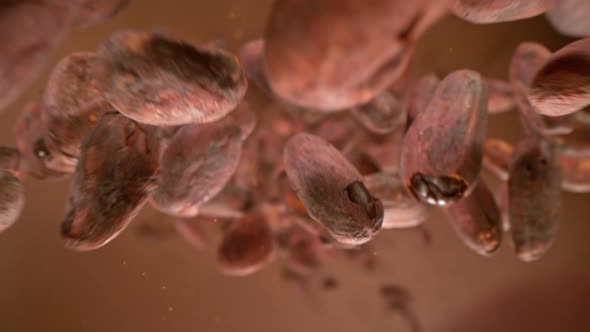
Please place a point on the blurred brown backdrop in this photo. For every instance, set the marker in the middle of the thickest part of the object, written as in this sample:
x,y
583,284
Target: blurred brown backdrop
x,y
138,284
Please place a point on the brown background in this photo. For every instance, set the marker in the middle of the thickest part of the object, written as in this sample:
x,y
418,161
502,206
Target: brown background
x,y
139,284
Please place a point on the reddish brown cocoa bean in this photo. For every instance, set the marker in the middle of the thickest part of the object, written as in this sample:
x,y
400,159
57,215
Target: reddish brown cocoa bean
x,y
332,189
156,80
527,59
442,151
197,163
309,45
246,246
477,220
116,172
537,124
534,198
562,85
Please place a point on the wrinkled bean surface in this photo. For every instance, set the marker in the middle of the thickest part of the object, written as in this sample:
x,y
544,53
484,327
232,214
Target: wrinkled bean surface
x,y
311,44
533,198
157,80
477,220
442,151
198,162
331,189
116,172
562,84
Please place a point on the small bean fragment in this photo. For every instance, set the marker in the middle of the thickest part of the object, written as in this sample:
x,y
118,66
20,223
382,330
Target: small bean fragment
x,y
93,12
400,210
330,283
495,11
295,280
497,156
570,17
398,300
12,199
441,154
309,45
500,96
154,230
196,165
303,251
116,172
395,296
246,246
157,80
382,115
331,189
477,220
562,84
533,198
